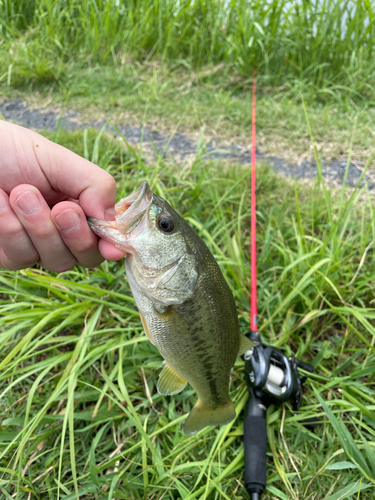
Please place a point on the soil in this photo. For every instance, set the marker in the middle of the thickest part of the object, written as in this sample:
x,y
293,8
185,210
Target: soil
x,y
180,146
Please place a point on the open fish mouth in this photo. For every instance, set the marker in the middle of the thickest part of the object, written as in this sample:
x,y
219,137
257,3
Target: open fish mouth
x,y
130,210
129,213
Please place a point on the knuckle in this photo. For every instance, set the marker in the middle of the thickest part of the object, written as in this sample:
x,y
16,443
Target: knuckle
x,y
84,247
10,229
109,182
31,261
92,263
61,267
41,232
17,251
12,265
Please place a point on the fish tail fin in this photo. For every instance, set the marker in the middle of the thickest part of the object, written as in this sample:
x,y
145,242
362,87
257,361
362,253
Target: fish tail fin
x,y
201,416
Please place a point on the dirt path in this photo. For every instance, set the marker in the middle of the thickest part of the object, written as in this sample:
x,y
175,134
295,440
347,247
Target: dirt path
x,y
180,146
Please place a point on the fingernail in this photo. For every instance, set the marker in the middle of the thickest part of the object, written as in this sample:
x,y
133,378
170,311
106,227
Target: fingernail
x,y
28,202
110,214
68,220
3,202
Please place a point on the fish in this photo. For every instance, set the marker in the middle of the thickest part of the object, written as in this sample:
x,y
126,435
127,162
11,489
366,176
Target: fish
x,y
186,307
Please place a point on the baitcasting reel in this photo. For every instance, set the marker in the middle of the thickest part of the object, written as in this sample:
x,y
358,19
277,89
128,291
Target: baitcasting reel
x,y
272,378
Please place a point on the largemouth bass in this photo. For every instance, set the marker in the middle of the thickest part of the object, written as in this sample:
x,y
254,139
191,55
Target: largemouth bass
x,y
186,306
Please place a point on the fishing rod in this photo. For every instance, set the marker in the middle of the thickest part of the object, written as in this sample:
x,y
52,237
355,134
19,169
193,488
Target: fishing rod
x,y
271,377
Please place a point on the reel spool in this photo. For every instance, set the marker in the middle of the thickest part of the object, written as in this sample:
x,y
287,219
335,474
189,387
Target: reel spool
x,y
272,378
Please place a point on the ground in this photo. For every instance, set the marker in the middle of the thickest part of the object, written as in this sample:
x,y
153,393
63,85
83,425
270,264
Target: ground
x,y
81,414
283,139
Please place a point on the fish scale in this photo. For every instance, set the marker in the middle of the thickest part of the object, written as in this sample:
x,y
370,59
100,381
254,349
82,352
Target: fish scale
x,y
186,306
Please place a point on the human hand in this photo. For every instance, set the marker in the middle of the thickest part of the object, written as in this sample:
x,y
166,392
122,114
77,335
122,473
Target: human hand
x,y
46,192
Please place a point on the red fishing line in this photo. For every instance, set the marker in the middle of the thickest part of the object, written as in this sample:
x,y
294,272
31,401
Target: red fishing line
x,y
253,261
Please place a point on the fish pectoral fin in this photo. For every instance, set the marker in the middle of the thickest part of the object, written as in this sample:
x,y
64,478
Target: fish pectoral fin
x,y
170,382
245,344
146,329
176,284
201,416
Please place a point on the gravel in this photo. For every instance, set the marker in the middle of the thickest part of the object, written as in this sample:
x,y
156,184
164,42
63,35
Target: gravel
x,y
180,145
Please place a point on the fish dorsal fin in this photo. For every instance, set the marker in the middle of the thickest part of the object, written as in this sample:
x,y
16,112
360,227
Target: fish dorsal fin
x,y
170,382
245,344
146,329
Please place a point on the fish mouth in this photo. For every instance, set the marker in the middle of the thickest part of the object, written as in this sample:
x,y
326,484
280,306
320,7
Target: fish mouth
x,y
130,210
129,213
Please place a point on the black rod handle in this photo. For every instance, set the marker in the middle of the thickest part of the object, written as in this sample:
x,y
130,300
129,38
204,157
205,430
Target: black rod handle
x,y
255,444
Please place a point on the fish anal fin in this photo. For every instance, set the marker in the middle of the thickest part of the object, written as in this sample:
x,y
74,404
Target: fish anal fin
x,y
201,416
245,344
146,329
170,382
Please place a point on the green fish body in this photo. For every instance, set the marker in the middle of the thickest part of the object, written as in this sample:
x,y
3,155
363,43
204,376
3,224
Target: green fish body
x,y
186,306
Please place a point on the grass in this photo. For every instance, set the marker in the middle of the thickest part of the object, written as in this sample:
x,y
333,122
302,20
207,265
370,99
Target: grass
x,y
189,65
166,102
323,46
79,412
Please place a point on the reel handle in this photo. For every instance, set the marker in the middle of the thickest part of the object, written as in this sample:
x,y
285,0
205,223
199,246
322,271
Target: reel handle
x,y
255,444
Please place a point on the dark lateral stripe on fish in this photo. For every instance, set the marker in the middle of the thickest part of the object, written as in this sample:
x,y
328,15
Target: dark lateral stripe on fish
x,y
207,364
212,382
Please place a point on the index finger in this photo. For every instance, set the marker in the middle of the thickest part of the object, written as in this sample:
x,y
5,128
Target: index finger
x,y
78,178
56,171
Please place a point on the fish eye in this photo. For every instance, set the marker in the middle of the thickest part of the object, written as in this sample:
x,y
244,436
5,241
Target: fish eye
x,y
166,224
